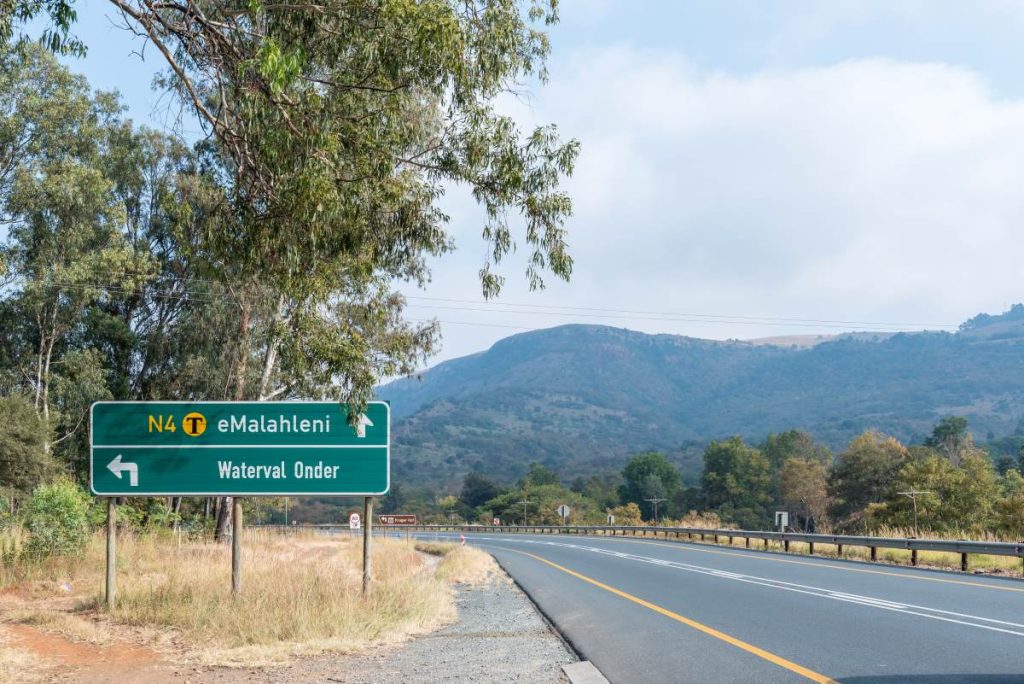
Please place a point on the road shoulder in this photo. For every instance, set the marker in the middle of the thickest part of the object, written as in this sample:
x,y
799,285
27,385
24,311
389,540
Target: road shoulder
x,y
499,637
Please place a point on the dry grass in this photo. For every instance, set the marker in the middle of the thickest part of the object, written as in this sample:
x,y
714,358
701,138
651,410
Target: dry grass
x,y
301,594
435,548
298,595
68,625
16,665
12,543
462,564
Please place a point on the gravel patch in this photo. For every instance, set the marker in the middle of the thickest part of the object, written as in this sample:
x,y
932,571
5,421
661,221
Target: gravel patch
x,y
499,637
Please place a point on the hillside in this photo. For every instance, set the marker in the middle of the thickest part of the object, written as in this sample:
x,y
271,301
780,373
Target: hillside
x,y
581,397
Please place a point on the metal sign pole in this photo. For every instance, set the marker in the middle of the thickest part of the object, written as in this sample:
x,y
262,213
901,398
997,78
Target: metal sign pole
x,y
367,541
111,557
236,545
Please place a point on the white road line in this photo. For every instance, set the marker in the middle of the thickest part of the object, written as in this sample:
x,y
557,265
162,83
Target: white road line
x,y
867,601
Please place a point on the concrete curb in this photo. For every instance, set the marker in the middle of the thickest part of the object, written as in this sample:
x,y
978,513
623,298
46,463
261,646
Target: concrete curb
x,y
583,672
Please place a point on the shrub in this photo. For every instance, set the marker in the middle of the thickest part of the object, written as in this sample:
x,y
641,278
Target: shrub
x,y
57,519
627,515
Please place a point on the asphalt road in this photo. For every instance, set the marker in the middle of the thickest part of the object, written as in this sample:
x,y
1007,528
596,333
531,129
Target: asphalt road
x,y
658,611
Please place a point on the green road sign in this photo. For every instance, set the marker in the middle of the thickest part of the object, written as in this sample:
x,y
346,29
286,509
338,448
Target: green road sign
x,y
228,448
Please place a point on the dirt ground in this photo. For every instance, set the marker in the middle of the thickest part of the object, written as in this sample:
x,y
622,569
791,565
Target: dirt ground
x,y
47,638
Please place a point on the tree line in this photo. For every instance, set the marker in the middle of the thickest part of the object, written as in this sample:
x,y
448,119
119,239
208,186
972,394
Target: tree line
x,y
947,484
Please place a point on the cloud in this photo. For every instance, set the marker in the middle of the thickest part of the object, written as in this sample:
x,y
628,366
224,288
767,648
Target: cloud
x,y
868,190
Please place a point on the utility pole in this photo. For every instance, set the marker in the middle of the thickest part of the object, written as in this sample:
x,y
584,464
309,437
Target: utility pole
x,y
912,494
525,502
655,501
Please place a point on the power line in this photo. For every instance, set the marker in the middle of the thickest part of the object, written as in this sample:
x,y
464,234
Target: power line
x,y
871,327
533,310
673,313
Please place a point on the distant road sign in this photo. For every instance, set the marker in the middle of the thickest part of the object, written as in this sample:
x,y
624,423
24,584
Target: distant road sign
x,y
564,511
354,522
225,448
611,519
496,522
397,519
782,520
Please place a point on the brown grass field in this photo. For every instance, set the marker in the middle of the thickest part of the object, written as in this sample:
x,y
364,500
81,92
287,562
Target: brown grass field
x,y
301,595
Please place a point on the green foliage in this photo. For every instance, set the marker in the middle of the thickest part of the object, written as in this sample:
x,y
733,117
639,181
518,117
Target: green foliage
x,y
57,519
538,475
646,476
956,498
737,482
476,491
862,475
780,447
24,463
950,438
602,489
803,488
628,514
542,507
15,15
332,145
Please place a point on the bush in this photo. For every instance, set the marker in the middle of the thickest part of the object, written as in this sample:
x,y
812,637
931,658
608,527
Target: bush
x,y
57,519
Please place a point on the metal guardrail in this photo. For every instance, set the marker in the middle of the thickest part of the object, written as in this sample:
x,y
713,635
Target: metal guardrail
x,y
962,547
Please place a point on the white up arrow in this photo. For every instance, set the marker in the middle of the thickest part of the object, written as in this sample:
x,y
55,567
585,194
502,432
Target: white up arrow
x,y
361,425
117,467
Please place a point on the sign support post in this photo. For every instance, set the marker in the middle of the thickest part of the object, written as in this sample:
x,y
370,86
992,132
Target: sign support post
x,y
367,542
236,545
111,557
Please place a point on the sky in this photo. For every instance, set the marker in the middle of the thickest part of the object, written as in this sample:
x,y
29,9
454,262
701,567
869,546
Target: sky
x,y
748,169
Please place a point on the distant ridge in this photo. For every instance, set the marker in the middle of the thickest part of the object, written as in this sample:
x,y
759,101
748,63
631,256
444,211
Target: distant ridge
x,y
583,397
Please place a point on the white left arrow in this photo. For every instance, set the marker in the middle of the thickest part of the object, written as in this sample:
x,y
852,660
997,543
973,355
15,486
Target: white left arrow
x,y
117,467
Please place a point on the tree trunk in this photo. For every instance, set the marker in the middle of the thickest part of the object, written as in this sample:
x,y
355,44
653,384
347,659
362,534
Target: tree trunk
x,y
46,395
270,356
39,366
224,514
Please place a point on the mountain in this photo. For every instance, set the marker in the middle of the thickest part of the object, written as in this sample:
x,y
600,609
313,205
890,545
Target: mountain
x,y
583,398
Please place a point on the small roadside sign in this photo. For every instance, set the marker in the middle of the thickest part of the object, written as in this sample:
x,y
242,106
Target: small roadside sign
x,y
564,511
611,519
496,522
397,519
354,522
781,520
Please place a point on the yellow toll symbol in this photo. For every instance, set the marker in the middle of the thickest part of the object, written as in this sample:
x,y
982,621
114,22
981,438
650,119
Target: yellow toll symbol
x,y
194,424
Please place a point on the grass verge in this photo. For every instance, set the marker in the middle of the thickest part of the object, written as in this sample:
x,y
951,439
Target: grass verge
x,y
461,564
300,595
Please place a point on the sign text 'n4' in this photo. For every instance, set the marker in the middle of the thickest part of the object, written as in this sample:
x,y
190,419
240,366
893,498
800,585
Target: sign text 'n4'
x,y
286,448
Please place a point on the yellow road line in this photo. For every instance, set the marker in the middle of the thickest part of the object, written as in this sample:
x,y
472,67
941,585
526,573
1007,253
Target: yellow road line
x,y
749,648
759,555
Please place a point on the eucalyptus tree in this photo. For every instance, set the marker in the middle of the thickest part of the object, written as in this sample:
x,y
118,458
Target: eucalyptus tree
x,y
64,230
333,130
336,128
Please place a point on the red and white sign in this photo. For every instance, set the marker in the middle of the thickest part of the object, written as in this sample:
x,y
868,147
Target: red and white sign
x,y
496,522
354,522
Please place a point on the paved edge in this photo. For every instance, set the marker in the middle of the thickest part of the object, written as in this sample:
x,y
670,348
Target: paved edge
x,y
589,670
583,672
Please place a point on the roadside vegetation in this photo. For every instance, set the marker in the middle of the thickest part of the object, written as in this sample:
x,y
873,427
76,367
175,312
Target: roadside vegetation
x,y
946,486
301,595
